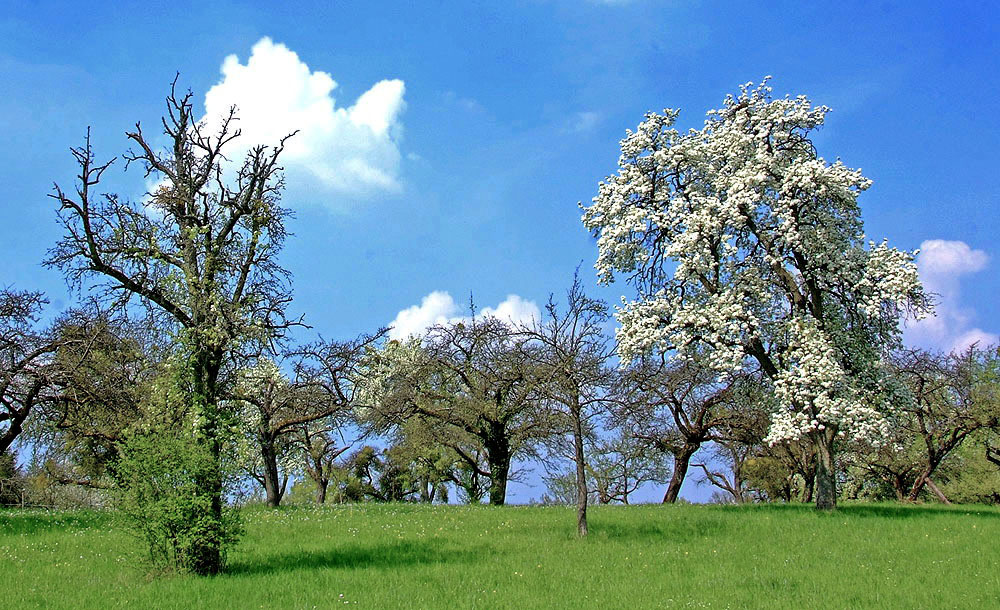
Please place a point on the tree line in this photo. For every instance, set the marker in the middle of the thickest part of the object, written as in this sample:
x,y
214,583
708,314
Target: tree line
x,y
761,349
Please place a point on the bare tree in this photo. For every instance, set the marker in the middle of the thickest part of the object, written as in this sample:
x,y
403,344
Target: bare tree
x,y
200,253
573,352
25,362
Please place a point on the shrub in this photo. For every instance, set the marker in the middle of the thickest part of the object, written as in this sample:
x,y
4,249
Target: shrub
x,y
160,480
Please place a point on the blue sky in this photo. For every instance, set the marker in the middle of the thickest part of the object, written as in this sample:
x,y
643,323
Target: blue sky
x,y
481,125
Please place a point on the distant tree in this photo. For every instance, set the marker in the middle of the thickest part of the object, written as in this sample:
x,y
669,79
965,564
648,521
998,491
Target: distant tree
x,y
200,254
26,353
975,471
619,466
319,443
952,397
11,481
743,242
573,355
945,415
677,408
741,440
107,369
473,378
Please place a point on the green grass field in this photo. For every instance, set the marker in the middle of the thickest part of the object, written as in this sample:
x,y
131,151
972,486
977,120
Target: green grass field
x,y
409,556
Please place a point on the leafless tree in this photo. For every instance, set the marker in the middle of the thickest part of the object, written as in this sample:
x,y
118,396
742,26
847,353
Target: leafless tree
x,y
572,352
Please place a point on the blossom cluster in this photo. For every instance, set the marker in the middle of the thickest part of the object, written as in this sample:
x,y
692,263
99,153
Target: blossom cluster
x,y
741,240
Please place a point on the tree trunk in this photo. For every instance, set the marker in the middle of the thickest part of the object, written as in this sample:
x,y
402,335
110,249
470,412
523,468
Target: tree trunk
x,y
922,479
937,492
498,458
272,486
581,474
205,554
681,462
826,474
808,485
321,485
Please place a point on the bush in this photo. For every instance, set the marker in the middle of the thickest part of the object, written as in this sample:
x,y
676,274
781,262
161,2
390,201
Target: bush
x,y
161,494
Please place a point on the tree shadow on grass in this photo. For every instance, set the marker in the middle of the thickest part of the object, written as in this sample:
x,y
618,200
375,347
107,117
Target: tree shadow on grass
x,y
350,557
911,511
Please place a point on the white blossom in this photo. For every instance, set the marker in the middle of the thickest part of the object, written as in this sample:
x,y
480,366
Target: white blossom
x,y
741,241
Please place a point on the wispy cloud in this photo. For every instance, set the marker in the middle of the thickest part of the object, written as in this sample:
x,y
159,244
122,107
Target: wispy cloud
x,y
583,121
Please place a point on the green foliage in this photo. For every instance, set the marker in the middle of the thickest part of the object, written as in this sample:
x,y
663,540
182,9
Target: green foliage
x,y
974,478
160,480
11,483
769,477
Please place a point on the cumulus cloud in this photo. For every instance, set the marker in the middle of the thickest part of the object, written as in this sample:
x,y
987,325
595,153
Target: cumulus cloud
x,y
350,150
941,265
439,307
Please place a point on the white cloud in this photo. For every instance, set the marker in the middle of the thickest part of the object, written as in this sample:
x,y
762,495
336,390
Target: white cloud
x,y
941,264
436,308
348,151
940,259
513,309
439,307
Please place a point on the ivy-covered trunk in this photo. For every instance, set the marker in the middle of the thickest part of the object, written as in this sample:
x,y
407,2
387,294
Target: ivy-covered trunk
x,y
205,555
498,459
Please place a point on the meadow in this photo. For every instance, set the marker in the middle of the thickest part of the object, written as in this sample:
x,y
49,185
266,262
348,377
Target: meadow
x,y
419,556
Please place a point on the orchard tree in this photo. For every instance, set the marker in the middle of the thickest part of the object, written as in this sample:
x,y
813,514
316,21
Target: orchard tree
x,y
619,465
106,369
573,354
200,253
676,408
742,242
267,412
319,443
954,397
26,354
474,379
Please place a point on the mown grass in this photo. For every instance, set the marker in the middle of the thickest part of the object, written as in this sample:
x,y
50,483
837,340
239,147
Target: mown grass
x,y
407,556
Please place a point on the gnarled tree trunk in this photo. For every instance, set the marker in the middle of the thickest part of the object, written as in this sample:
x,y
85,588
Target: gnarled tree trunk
x,y
682,460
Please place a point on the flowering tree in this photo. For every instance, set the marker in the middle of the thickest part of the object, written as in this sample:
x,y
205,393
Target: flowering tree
x,y
742,242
